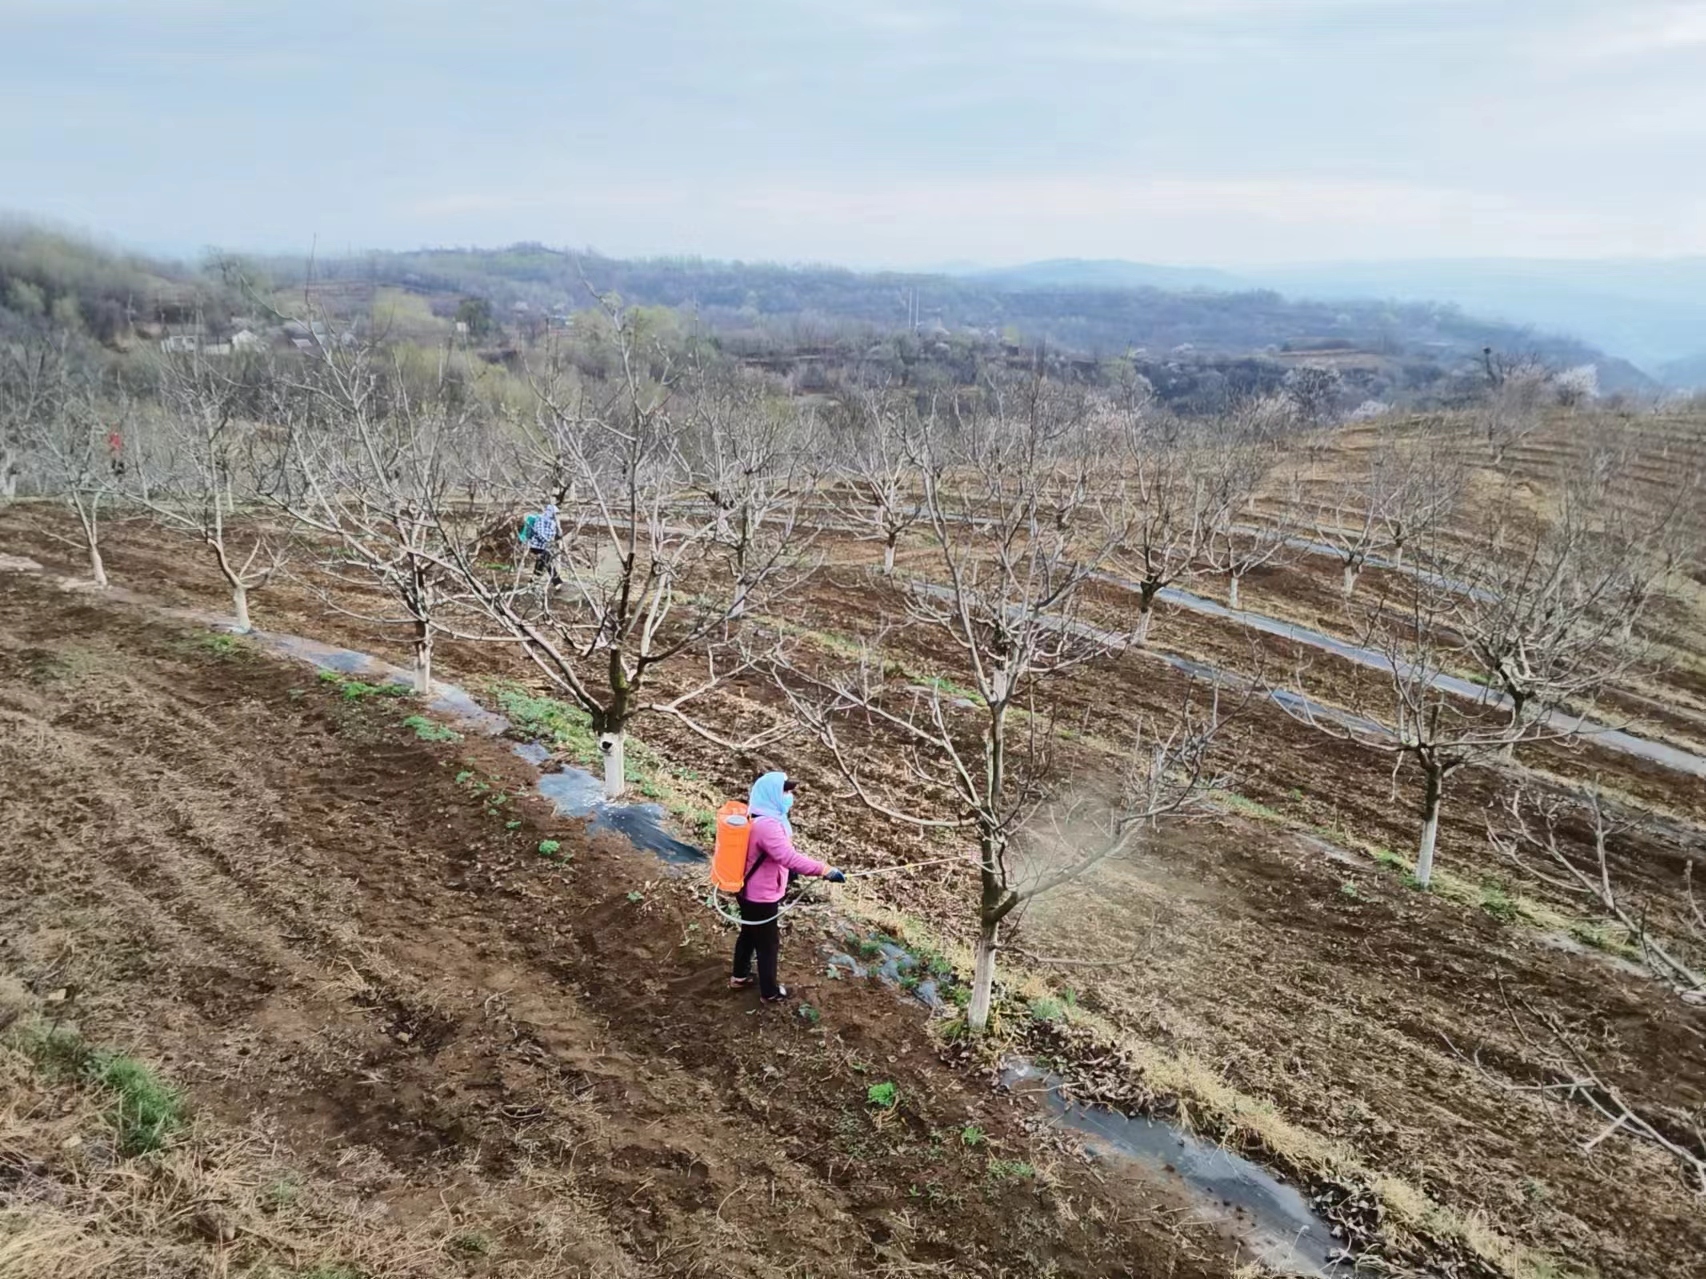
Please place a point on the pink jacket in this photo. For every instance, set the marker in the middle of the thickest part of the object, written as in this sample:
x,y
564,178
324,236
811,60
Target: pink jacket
x,y
770,855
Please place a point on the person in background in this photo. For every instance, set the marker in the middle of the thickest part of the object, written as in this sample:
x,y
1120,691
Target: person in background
x,y
115,454
539,532
770,859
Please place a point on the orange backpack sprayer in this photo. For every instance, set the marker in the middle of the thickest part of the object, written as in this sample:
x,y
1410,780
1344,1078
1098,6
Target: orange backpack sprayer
x,y
728,859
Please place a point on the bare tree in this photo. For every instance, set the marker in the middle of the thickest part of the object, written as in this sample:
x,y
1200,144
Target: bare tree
x,y
650,570
37,381
1532,829
1428,715
881,494
1177,499
1400,493
1545,608
371,463
1242,541
1349,524
60,424
1314,391
1575,1078
202,449
743,451
1518,387
1017,510
1416,487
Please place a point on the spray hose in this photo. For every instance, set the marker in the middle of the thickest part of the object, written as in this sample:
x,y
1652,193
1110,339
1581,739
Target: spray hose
x,y
713,899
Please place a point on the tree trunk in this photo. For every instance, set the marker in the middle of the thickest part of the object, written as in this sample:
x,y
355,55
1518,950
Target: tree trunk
x,y
615,767
1352,572
423,658
888,557
97,570
1232,592
1145,615
240,608
1434,792
1398,555
982,980
1513,725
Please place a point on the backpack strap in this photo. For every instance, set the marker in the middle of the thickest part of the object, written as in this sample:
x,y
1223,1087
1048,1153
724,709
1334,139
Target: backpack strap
x,y
752,864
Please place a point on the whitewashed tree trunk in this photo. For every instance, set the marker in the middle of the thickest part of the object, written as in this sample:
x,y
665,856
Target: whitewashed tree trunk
x,y
1145,615
1430,829
1352,572
888,557
982,980
1232,592
97,569
423,659
240,607
615,767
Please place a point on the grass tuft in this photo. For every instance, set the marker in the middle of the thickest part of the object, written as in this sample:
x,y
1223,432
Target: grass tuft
x,y
885,1096
149,1110
355,690
430,730
1047,1009
474,1242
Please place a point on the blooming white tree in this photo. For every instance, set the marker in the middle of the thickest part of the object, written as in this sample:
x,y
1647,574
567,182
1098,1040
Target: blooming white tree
x,y
1576,386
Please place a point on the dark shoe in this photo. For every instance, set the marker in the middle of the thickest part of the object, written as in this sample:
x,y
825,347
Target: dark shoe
x,y
740,983
780,996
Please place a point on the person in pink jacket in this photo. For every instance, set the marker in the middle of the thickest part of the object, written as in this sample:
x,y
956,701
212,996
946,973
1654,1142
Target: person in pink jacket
x,y
770,858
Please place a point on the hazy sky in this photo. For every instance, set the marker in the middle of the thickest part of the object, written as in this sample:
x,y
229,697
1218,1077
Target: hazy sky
x,y
870,132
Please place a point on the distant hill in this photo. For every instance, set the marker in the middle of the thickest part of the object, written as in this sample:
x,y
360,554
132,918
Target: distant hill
x,y
1105,319
1087,308
1651,312
48,273
1686,374
1081,273
1646,311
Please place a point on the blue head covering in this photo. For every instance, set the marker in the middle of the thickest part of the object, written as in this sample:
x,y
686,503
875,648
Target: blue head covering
x,y
768,799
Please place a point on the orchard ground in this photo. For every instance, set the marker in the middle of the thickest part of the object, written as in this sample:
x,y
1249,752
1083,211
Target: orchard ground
x,y
286,902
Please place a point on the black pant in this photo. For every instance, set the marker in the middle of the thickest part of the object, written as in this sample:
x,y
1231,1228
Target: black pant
x,y
764,940
545,561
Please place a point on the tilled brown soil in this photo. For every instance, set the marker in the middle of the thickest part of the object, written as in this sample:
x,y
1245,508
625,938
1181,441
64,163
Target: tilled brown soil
x,y
1394,1023
294,907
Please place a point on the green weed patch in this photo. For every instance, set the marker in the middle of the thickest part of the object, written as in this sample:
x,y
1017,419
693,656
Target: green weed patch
x,y
146,1112
430,730
355,690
